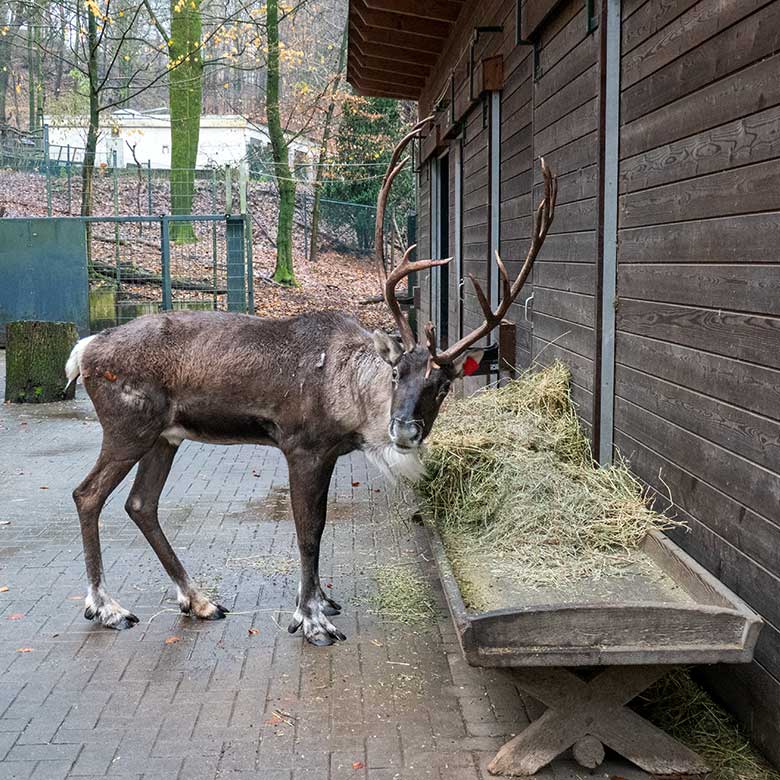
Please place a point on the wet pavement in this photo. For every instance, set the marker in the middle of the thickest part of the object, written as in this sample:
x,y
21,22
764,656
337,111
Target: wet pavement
x,y
179,698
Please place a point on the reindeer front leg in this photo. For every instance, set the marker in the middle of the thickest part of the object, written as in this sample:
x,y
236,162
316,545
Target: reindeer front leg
x,y
309,482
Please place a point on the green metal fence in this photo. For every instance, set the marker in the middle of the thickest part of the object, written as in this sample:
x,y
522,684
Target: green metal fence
x,y
132,273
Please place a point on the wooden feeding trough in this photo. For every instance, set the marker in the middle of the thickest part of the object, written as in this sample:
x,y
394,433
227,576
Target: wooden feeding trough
x,y
586,654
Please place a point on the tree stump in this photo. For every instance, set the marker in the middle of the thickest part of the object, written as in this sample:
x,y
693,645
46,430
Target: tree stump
x,y
35,361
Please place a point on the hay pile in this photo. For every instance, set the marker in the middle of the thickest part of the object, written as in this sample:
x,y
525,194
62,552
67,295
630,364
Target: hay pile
x,y
511,485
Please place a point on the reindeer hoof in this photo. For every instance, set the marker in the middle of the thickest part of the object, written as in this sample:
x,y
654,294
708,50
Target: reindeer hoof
x,y
197,605
317,629
218,613
128,621
108,612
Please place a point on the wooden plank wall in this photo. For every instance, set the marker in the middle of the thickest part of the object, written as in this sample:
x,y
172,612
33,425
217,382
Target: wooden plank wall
x,y
476,212
517,160
697,406
566,134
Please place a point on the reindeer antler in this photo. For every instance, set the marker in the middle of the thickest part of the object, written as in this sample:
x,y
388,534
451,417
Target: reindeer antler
x,y
510,290
390,281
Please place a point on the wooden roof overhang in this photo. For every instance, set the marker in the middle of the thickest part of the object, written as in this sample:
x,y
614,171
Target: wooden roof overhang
x,y
394,44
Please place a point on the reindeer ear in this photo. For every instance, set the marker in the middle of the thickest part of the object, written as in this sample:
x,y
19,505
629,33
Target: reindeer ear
x,y
388,348
468,362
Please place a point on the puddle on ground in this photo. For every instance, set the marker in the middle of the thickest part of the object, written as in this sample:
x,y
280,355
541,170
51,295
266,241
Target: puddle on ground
x,y
276,507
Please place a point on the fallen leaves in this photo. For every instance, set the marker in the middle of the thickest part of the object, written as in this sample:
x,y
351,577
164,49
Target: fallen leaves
x,y
4,589
24,650
355,484
16,616
172,640
44,487
253,631
358,765
5,522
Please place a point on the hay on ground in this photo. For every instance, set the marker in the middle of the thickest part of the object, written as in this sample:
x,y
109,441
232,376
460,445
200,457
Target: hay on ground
x,y
402,595
511,485
680,707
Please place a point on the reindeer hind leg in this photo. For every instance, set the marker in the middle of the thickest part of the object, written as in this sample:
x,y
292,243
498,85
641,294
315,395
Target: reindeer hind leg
x,y
142,505
90,496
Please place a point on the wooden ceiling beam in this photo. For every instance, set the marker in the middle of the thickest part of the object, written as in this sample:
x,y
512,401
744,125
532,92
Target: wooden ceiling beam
x,y
387,77
388,51
383,93
436,10
391,65
380,89
399,23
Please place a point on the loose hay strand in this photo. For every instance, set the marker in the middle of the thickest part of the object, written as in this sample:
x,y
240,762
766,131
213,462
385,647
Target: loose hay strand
x,y
511,484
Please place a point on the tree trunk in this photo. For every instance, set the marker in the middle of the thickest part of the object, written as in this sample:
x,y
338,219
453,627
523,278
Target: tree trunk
x,y
315,213
8,17
186,99
284,272
88,166
35,361
31,115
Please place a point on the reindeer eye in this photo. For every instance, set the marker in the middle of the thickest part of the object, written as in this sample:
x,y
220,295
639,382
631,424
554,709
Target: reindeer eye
x,y
395,374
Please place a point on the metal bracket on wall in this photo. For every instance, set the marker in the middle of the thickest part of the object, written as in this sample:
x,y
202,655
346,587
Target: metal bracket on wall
x,y
591,20
519,40
537,59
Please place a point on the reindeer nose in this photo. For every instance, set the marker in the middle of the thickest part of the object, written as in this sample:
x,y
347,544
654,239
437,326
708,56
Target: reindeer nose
x,y
405,433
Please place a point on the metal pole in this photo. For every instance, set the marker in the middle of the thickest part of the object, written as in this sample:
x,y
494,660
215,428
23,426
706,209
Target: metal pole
x,y
305,225
47,169
165,256
250,276
149,204
609,265
228,190
69,174
116,209
392,239
214,234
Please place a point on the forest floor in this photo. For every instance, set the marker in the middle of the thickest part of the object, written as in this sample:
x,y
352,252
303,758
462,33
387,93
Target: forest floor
x,y
342,277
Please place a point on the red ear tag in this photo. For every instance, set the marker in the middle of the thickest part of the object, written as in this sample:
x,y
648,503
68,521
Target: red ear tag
x,y
470,366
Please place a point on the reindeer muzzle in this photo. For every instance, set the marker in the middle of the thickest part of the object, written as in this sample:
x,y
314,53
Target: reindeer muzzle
x,y
406,434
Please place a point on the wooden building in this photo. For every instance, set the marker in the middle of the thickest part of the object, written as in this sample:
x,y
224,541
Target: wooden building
x,y
659,284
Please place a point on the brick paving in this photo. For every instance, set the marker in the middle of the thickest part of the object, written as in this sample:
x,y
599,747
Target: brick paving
x,y
76,700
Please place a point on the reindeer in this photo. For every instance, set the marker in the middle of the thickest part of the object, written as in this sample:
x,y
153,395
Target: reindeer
x,y
316,386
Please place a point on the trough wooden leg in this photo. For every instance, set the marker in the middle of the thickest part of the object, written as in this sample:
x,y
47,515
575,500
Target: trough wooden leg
x,y
586,713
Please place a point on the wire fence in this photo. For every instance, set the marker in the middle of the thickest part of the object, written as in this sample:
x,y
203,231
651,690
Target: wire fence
x,y
39,179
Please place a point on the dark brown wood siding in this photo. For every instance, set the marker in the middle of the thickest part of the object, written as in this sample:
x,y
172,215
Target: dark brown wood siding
x,y
566,134
697,407
697,395
517,159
